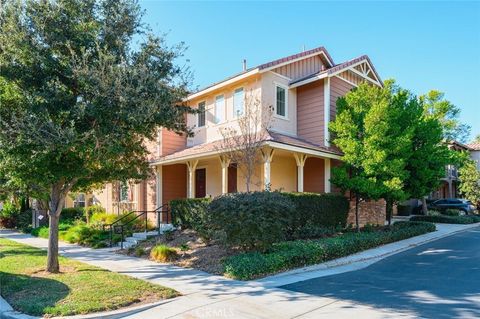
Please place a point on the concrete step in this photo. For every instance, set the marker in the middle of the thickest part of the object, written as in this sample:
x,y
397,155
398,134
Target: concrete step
x,y
133,240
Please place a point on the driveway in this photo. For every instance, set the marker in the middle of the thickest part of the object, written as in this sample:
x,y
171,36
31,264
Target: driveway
x,y
440,279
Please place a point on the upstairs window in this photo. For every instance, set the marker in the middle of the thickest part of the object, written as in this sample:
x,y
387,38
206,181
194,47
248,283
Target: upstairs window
x,y
201,114
238,102
219,109
280,101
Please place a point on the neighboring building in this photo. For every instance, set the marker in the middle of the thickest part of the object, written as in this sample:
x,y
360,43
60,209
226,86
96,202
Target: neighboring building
x,y
475,153
449,184
301,88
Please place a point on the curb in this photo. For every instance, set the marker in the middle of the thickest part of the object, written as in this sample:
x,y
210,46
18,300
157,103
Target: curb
x,y
9,313
301,274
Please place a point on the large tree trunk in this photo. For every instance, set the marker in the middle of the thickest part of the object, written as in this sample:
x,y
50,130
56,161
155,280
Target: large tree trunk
x,y
389,211
357,202
57,201
424,206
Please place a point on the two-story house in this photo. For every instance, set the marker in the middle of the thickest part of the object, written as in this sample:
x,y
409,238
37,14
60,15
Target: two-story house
x,y
301,90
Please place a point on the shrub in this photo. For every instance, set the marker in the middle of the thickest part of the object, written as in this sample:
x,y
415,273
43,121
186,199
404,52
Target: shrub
x,y
468,219
250,220
318,210
433,213
453,212
8,215
71,214
191,213
139,251
91,210
312,232
163,253
299,253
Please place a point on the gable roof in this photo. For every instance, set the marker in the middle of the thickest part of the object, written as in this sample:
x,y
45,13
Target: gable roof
x,y
474,146
296,56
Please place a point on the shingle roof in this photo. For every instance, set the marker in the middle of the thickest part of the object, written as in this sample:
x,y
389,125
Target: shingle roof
x,y
206,148
474,146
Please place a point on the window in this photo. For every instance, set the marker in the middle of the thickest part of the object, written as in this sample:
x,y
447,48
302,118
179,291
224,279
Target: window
x,y
238,100
219,109
123,192
79,200
281,101
201,115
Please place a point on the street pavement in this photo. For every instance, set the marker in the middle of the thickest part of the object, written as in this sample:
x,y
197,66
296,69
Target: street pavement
x,y
440,279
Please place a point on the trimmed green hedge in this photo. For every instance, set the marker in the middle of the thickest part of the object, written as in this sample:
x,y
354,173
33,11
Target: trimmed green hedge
x,y
251,220
444,219
293,254
316,210
71,214
188,212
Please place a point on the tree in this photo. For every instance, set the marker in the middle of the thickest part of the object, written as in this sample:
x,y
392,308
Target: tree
x,y
359,114
242,145
77,99
469,177
476,139
435,106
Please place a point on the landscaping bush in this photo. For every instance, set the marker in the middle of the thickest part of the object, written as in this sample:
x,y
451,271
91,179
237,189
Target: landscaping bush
x,y
312,232
94,209
468,219
71,214
433,213
453,212
292,254
163,253
250,220
8,215
190,213
318,210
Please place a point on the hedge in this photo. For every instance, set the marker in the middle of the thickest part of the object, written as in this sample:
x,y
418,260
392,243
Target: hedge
x,y
251,220
444,219
293,254
188,212
71,214
317,210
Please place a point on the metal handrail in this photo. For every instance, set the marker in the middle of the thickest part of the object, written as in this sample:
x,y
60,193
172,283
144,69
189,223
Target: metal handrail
x,y
145,213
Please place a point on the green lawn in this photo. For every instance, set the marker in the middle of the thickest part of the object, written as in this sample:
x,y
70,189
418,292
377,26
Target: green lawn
x,y
78,289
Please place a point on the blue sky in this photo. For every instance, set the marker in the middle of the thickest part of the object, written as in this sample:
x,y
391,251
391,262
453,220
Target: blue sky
x,y
423,45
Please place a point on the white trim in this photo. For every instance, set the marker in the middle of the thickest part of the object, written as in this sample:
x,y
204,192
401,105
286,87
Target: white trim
x,y
281,76
221,84
349,82
309,80
326,111
285,87
327,175
352,68
363,76
296,60
299,149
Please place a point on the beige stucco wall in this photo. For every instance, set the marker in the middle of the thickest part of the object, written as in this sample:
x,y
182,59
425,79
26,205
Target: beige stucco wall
x,y
284,173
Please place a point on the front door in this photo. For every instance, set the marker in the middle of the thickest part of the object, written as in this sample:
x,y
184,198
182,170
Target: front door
x,y
232,178
200,183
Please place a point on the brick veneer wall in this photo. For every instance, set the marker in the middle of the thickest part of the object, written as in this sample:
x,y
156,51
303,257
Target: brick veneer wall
x,y
370,212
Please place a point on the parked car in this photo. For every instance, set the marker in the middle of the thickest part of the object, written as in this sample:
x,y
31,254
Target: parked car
x,y
463,205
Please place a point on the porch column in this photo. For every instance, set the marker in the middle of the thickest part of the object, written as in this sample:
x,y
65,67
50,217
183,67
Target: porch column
x,y
191,165
267,155
225,162
158,185
300,159
328,187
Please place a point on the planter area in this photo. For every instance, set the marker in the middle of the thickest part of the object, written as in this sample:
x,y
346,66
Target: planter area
x,y
78,289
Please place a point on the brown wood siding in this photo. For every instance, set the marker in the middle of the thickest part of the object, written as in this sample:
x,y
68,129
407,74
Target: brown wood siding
x,y
301,68
174,184
172,142
351,77
310,112
314,175
338,88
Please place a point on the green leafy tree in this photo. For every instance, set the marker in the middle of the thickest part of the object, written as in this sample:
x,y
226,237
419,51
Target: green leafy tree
x,y
78,99
436,106
469,177
357,131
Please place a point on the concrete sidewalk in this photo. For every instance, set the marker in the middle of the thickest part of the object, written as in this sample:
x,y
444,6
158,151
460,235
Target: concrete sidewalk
x,y
210,296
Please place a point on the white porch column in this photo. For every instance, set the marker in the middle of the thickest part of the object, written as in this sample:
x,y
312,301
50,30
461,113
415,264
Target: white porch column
x,y
158,186
191,165
267,155
225,162
326,113
300,159
328,187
